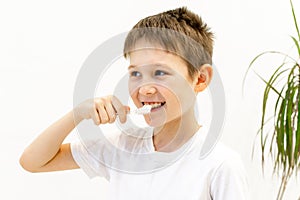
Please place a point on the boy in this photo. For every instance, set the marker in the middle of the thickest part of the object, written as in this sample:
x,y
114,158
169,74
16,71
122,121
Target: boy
x,y
170,62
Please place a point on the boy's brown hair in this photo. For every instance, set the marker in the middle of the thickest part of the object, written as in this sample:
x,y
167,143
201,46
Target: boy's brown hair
x,y
178,31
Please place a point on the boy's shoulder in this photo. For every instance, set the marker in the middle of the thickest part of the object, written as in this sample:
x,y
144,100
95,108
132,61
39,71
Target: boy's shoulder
x,y
223,152
217,153
222,157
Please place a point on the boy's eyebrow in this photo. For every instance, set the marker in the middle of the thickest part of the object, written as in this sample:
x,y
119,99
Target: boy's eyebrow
x,y
156,64
131,66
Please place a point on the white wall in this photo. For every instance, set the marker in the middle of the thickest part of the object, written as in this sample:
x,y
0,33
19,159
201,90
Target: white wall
x,y
43,46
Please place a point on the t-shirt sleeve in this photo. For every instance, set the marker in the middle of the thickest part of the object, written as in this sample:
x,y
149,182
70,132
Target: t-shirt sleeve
x,y
88,161
230,181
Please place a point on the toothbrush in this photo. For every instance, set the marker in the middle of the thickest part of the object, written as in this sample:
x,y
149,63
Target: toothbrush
x,y
142,111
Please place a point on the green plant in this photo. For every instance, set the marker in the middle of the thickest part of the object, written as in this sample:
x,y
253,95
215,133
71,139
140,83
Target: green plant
x,y
284,140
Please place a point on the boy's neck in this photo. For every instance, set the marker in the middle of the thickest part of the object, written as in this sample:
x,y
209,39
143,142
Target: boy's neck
x,y
175,133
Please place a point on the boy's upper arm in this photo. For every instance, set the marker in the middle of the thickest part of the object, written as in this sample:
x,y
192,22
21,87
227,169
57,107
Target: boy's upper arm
x,y
63,160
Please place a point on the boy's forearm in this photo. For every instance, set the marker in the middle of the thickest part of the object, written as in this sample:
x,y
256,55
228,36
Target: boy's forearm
x,y
48,143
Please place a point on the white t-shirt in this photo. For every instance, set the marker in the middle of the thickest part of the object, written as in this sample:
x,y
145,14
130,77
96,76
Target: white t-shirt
x,y
137,172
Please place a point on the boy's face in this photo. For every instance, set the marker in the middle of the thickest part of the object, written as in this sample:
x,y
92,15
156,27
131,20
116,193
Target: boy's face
x,y
161,79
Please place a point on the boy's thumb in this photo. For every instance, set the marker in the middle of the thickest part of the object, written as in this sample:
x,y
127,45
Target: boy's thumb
x,y
127,109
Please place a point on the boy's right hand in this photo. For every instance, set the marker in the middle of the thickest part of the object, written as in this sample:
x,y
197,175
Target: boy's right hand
x,y
101,110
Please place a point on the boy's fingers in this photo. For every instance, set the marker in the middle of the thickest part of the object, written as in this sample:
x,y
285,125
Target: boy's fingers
x,y
120,109
95,117
123,114
110,112
102,114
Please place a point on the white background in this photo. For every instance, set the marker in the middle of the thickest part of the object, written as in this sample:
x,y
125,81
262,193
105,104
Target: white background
x,y
43,45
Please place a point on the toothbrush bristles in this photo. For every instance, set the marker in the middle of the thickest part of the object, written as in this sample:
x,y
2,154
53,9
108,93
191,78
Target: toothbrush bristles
x,y
143,110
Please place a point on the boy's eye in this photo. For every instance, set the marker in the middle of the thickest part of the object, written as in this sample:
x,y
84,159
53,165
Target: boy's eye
x,y
135,73
159,73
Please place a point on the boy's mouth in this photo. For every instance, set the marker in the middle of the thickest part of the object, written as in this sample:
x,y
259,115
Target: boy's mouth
x,y
154,105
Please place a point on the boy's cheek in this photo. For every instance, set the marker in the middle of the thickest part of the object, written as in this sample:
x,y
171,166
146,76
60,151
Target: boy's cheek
x,y
133,88
135,99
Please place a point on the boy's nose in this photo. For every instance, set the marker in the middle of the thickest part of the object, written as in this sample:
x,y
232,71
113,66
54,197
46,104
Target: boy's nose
x,y
147,90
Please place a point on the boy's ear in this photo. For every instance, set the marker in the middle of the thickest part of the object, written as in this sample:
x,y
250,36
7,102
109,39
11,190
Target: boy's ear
x,y
203,78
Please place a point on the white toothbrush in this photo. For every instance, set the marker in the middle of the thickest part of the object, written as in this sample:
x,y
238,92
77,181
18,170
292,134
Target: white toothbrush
x,y
142,111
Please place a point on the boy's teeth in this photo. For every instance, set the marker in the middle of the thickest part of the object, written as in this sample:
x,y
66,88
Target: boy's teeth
x,y
154,105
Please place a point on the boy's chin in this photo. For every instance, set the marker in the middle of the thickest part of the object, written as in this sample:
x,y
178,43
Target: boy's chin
x,y
157,121
154,122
